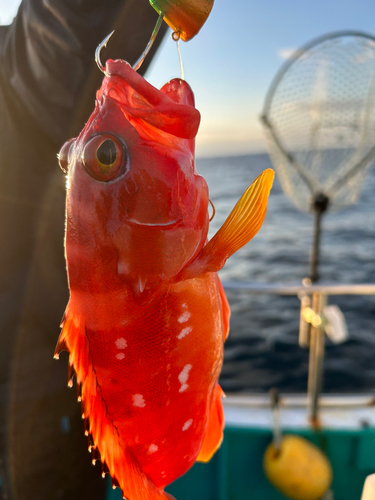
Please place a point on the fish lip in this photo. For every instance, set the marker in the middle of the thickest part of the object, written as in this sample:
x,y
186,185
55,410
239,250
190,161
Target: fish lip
x,y
168,225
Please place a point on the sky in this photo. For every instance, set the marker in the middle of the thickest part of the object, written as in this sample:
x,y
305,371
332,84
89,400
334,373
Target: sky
x,y
231,63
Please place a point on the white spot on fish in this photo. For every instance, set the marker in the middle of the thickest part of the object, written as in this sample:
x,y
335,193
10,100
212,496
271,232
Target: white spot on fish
x,y
121,343
120,355
187,424
163,474
184,332
184,305
138,400
152,448
184,317
184,375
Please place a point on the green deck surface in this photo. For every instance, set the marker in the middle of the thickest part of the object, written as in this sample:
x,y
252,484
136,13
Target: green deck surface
x,y
235,472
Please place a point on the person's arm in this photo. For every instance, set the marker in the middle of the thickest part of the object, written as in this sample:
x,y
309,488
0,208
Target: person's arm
x,y
47,55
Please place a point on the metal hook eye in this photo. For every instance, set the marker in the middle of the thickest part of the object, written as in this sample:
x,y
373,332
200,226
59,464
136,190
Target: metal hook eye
x,y
176,36
213,210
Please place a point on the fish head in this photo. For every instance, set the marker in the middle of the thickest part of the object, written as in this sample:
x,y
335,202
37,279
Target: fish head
x,y
137,211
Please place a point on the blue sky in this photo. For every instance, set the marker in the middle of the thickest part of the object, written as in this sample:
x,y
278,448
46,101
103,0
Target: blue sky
x,y
232,61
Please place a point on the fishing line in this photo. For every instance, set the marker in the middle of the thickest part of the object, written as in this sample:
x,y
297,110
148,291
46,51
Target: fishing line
x,y
154,34
176,38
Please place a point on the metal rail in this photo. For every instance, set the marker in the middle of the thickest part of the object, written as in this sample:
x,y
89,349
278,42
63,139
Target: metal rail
x,y
313,324
300,401
279,289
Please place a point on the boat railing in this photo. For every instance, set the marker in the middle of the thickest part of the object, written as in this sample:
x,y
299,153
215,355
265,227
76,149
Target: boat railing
x,y
315,320
300,401
279,289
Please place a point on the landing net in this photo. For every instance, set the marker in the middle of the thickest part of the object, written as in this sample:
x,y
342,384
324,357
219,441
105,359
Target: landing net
x,y
319,115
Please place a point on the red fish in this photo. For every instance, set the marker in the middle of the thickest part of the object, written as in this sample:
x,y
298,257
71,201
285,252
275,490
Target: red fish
x,y
147,315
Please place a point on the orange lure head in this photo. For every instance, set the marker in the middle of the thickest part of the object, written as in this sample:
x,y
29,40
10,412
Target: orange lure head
x,y
136,208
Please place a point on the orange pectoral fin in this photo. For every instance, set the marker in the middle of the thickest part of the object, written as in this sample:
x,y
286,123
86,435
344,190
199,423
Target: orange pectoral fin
x,y
214,433
242,224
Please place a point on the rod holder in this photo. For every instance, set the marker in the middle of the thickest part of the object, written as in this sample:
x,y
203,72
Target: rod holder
x,y
316,356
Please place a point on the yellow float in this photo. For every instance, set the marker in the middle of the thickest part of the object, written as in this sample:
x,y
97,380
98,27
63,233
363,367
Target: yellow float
x,y
298,468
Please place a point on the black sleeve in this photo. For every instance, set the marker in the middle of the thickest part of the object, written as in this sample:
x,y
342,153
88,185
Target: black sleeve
x,y
48,80
48,55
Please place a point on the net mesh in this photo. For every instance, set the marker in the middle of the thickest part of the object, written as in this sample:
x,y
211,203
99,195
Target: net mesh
x,y
320,112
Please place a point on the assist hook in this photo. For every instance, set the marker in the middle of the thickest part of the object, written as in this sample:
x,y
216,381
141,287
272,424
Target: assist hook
x,y
99,49
138,64
185,17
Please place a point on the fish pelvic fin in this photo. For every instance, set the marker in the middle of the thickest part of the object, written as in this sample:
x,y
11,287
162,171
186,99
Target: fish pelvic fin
x,y
105,442
214,433
240,227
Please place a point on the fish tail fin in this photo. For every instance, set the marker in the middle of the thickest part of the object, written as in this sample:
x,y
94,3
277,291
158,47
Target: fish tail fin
x,y
240,227
214,433
105,441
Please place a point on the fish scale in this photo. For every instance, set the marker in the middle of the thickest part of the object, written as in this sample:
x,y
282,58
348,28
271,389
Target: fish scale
x,y
146,388
147,315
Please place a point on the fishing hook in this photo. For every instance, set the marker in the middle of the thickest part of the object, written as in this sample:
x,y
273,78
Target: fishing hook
x,y
138,64
99,49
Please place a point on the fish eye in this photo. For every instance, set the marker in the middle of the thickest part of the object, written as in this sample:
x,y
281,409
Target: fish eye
x,y
104,157
64,155
106,153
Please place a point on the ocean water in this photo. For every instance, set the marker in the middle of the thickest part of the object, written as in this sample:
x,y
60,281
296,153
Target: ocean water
x,y
262,349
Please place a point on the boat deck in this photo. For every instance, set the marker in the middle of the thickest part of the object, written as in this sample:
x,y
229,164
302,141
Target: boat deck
x,y
347,436
351,412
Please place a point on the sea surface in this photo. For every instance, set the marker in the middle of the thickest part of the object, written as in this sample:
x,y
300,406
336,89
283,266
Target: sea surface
x,y
262,349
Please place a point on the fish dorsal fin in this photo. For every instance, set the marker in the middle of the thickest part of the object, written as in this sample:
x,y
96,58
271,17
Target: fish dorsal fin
x,y
240,227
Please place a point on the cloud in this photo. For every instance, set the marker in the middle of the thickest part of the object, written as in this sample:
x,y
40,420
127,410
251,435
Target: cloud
x,y
286,53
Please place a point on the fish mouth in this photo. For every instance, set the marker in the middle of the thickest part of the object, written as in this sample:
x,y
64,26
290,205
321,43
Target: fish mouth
x,y
162,225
